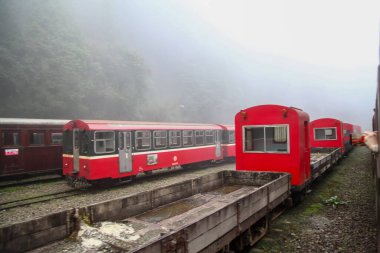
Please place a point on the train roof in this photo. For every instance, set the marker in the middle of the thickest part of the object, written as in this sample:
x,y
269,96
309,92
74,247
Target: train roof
x,y
139,125
262,111
325,121
23,121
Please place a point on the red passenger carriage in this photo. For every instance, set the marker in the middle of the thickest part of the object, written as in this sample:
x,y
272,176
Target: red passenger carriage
x,y
327,133
228,142
101,150
357,135
274,138
29,146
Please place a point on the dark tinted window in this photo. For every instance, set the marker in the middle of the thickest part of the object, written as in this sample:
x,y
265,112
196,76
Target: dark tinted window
x,y
67,142
10,138
36,138
56,138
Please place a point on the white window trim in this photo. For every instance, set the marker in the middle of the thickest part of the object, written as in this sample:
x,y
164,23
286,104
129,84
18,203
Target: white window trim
x,y
166,139
212,135
192,138
315,136
203,137
137,138
268,152
95,140
180,139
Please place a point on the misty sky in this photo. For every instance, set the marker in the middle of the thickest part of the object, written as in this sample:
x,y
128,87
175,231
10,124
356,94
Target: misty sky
x,y
320,56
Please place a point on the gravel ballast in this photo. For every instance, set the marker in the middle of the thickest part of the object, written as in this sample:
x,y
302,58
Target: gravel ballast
x,y
338,215
91,196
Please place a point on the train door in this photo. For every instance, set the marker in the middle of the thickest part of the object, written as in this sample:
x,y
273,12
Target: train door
x,y
305,162
218,142
12,161
76,146
125,152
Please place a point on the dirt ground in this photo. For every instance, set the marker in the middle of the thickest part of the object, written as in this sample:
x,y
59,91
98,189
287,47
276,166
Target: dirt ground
x,y
338,215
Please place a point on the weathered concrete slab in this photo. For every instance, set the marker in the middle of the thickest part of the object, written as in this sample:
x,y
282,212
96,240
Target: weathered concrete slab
x,y
193,215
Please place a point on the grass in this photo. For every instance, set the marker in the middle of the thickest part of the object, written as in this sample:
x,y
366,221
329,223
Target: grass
x,y
293,222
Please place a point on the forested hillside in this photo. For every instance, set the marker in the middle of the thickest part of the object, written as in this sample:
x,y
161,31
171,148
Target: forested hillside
x,y
50,69
103,60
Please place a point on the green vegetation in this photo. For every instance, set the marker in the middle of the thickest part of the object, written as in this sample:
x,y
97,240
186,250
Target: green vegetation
x,y
50,67
332,199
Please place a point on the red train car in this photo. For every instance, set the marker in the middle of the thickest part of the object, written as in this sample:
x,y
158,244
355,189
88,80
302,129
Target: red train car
x,y
274,138
29,146
357,138
97,151
348,130
327,133
228,145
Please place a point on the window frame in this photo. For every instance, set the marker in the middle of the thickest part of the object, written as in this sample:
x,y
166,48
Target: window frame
x,y
208,135
4,132
265,126
315,134
138,138
154,139
51,138
231,132
31,132
202,135
177,136
192,138
96,140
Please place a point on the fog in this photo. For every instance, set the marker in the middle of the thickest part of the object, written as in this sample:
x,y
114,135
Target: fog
x,y
187,61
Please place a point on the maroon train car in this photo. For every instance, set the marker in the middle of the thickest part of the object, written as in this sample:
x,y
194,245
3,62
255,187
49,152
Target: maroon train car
x,y
29,146
327,133
274,138
101,151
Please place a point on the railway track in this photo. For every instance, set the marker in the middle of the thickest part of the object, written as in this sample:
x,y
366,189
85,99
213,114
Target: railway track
x,y
30,181
158,175
37,199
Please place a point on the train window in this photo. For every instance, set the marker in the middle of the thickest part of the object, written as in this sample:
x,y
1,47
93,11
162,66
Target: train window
x,y
188,137
199,137
142,139
160,139
276,139
104,142
210,137
271,139
85,142
325,133
174,138
10,138
56,138
36,138
254,139
67,142
231,136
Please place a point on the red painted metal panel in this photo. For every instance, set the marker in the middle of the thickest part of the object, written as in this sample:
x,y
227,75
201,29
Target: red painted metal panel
x,y
296,161
29,158
94,168
327,123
